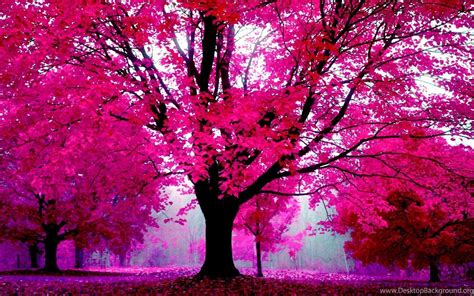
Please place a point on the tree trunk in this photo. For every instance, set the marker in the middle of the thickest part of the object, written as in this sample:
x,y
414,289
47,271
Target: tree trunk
x,y
219,215
434,271
51,243
123,259
33,251
78,257
219,261
259,259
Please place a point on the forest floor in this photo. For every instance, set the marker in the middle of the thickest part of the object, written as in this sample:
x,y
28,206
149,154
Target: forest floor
x,y
180,281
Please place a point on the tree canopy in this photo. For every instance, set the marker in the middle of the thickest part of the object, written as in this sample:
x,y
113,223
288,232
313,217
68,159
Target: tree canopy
x,y
238,95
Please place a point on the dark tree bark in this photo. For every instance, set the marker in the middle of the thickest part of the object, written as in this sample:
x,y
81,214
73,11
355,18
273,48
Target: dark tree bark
x,y
258,244
259,259
434,271
219,215
33,250
78,257
219,261
51,249
51,243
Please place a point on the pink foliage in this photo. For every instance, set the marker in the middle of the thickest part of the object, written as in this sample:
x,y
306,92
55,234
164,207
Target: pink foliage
x,y
414,205
267,218
102,103
71,166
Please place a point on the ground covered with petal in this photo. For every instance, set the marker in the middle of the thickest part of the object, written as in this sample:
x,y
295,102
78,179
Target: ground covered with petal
x,y
181,281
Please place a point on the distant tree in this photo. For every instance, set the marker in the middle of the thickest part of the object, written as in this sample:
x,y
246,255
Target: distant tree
x,y
27,238
414,233
75,176
118,230
78,255
34,251
267,218
410,224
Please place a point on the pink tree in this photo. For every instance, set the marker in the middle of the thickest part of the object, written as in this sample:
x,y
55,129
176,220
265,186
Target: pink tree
x,y
23,235
395,220
70,172
239,95
267,218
